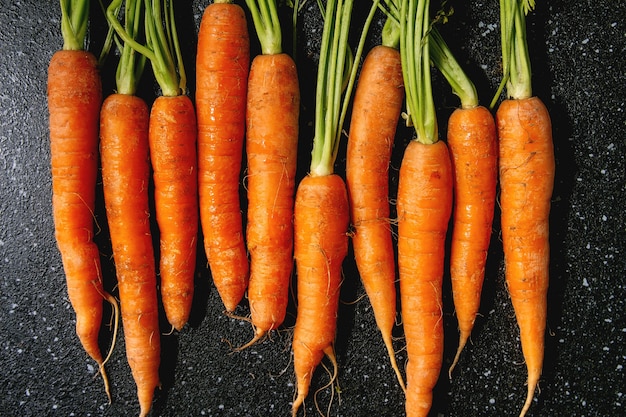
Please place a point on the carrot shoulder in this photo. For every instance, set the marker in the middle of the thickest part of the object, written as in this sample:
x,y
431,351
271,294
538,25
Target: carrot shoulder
x,y
74,99
222,66
125,178
526,181
376,111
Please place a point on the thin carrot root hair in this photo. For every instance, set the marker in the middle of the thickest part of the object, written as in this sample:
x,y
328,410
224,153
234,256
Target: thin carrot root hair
x,y
300,396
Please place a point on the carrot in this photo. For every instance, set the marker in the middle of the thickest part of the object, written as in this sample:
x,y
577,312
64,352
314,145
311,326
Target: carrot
x,y
378,101
424,205
222,66
74,97
526,169
124,124
321,214
271,149
174,160
473,148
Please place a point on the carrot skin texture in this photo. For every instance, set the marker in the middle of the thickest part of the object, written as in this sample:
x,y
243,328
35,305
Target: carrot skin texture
x,y
526,168
271,146
172,135
376,110
222,67
74,99
125,177
424,208
474,152
321,221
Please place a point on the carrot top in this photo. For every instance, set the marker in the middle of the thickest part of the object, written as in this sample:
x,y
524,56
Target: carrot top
x,y
335,78
161,47
444,60
516,73
415,56
74,18
267,25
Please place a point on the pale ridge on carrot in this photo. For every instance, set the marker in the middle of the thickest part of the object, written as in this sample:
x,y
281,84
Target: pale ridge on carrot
x,y
222,67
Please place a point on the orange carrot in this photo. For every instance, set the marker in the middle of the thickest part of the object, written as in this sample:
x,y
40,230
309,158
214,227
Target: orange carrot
x,y
125,175
472,142
473,148
321,214
271,148
321,244
526,179
378,101
174,160
424,205
526,169
125,154
222,66
74,99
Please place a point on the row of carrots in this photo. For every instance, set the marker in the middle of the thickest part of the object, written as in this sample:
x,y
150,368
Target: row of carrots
x,y
193,154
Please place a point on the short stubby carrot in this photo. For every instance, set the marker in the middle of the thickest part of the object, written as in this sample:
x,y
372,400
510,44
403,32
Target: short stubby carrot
x,y
321,244
526,167
222,67
473,149
74,99
173,154
376,111
424,207
125,177
271,148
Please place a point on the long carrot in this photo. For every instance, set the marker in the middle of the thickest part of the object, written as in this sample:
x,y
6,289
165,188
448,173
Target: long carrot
x,y
378,101
321,216
222,67
474,152
526,167
124,123
74,98
271,149
424,205
124,148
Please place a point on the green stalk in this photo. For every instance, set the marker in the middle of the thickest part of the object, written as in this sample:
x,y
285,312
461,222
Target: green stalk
x,y
267,25
445,61
335,63
131,63
74,18
516,72
161,44
415,56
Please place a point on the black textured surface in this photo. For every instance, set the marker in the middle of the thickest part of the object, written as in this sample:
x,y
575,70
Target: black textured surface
x,y
577,51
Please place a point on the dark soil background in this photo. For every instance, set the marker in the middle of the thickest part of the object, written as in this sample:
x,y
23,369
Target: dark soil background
x,y
577,52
